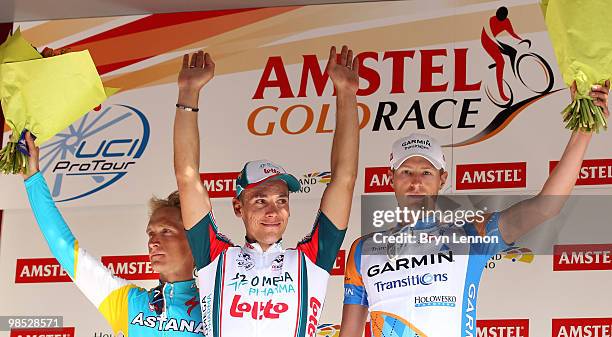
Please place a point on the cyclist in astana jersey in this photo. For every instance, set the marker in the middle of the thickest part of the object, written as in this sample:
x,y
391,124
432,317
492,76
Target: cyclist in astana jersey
x,y
427,289
170,309
261,288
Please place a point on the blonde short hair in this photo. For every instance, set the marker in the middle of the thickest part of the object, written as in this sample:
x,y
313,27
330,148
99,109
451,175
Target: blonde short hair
x,y
172,200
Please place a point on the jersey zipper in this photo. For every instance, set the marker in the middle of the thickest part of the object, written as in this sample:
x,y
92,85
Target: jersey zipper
x,y
164,314
258,267
168,303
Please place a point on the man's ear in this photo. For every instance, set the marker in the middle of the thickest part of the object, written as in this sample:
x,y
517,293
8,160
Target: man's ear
x,y
237,205
390,175
443,178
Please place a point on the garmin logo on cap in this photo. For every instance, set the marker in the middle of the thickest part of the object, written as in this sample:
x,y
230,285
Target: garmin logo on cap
x,y
409,143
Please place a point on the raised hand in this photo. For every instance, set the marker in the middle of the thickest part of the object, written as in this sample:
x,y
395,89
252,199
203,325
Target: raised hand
x,y
196,72
49,52
598,93
33,162
343,69
600,97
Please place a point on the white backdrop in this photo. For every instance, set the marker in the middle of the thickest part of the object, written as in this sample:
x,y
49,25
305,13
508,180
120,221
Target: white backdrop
x,y
105,205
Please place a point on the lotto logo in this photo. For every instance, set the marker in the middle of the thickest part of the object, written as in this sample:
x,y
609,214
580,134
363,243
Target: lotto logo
x,y
313,320
258,310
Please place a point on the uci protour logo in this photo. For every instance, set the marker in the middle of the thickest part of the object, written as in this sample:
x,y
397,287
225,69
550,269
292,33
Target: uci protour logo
x,y
95,152
486,86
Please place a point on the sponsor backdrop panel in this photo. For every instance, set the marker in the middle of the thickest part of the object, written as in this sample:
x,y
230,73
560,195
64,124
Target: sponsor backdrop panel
x,y
271,99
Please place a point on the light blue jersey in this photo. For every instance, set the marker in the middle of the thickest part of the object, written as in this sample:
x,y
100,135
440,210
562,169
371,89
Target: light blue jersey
x,y
129,309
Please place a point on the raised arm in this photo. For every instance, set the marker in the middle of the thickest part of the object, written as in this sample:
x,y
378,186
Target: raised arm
x,y
194,74
338,196
519,219
106,291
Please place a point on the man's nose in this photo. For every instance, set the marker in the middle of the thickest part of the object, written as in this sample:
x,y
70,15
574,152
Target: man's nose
x,y
153,241
272,209
415,180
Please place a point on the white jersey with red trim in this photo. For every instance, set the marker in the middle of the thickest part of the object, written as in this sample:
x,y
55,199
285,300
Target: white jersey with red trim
x,y
245,291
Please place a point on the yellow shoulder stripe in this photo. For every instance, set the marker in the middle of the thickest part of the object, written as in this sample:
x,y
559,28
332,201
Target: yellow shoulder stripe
x,y
115,309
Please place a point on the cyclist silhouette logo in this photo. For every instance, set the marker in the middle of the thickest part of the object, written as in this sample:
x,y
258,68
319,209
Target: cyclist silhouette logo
x,y
528,76
536,74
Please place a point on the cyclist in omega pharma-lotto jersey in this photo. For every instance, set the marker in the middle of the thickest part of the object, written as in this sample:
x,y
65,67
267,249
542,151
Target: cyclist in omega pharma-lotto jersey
x,y
261,288
429,289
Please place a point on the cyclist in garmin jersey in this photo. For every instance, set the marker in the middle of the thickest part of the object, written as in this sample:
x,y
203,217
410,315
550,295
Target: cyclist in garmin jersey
x,y
430,289
170,309
261,288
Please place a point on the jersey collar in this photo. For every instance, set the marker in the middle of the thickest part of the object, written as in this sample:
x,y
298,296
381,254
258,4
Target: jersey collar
x,y
254,247
183,286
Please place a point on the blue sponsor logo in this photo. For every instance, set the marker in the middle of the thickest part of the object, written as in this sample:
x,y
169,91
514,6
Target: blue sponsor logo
x,y
435,301
95,152
412,280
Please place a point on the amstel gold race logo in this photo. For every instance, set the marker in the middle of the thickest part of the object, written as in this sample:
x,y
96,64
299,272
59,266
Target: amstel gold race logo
x,y
497,80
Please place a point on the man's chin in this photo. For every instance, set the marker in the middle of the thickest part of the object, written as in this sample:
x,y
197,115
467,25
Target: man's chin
x,y
416,200
158,266
268,231
270,239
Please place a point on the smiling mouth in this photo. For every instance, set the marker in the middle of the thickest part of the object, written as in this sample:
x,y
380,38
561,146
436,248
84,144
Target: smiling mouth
x,y
274,224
